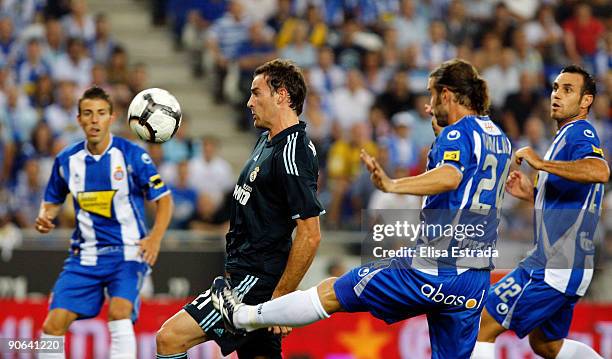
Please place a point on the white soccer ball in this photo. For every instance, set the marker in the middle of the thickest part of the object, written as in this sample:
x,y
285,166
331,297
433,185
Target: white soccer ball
x,y
154,115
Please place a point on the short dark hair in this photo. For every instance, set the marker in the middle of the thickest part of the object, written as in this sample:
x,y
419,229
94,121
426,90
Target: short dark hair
x,y
463,80
285,74
96,93
589,86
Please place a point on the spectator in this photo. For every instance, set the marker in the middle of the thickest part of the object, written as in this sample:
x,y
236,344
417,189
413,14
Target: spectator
x,y
437,49
546,35
74,66
534,136
216,171
397,97
43,94
138,78
402,150
348,51
62,115
278,19
193,39
519,106
53,48
459,28
582,33
259,10
18,117
103,44
79,24
501,24
25,199
99,77
319,125
185,198
344,166
505,76
118,66
326,76
350,104
421,128
603,58
253,53
528,59
299,49
225,37
376,75
411,28
8,43
32,67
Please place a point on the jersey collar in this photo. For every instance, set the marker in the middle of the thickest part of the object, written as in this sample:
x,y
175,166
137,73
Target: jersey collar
x,y
569,123
284,133
97,157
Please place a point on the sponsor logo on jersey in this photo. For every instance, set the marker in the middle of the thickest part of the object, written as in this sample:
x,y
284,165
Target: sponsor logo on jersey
x,y
242,194
253,174
597,150
453,135
589,133
436,295
118,174
363,271
502,308
97,202
451,156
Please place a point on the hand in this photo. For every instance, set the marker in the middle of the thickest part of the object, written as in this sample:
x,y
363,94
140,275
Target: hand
x,y
282,331
378,175
519,186
44,224
149,249
529,155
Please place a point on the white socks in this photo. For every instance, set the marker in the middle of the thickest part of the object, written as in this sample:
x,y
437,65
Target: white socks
x,y
53,355
123,340
572,349
292,310
484,350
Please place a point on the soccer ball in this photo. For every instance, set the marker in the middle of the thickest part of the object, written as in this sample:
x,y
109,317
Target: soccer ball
x,y
154,115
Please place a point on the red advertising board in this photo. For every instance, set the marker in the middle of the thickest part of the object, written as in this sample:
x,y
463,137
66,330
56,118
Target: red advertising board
x,y
344,336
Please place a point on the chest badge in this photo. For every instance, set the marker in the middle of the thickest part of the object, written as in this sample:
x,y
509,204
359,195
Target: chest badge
x,y
253,174
118,174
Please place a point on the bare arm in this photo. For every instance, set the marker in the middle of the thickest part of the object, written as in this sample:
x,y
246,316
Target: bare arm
x,y
149,246
305,244
586,170
442,179
46,214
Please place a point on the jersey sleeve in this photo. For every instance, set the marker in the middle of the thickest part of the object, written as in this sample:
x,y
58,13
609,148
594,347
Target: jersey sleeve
x,y
584,143
57,187
297,167
145,175
454,148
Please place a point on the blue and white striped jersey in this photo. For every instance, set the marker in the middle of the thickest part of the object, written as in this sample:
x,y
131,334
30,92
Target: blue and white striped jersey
x,y
566,214
477,148
108,193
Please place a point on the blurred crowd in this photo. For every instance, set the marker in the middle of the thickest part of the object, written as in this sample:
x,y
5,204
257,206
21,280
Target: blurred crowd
x,y
367,63
50,52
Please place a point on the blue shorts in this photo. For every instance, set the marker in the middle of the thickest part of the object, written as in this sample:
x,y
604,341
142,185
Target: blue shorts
x,y
522,302
80,289
393,292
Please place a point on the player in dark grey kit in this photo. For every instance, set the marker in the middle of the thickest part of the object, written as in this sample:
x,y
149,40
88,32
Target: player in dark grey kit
x,y
275,194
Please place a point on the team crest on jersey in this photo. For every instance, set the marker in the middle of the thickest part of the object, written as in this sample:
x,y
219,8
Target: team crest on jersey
x,y
453,135
589,133
118,175
253,174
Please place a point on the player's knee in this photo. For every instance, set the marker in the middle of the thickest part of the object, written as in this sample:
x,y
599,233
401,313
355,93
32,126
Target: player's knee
x,y
119,313
169,342
52,326
545,349
490,329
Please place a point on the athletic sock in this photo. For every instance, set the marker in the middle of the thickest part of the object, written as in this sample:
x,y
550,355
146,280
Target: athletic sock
x,y
572,349
123,340
172,356
293,310
484,350
53,355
